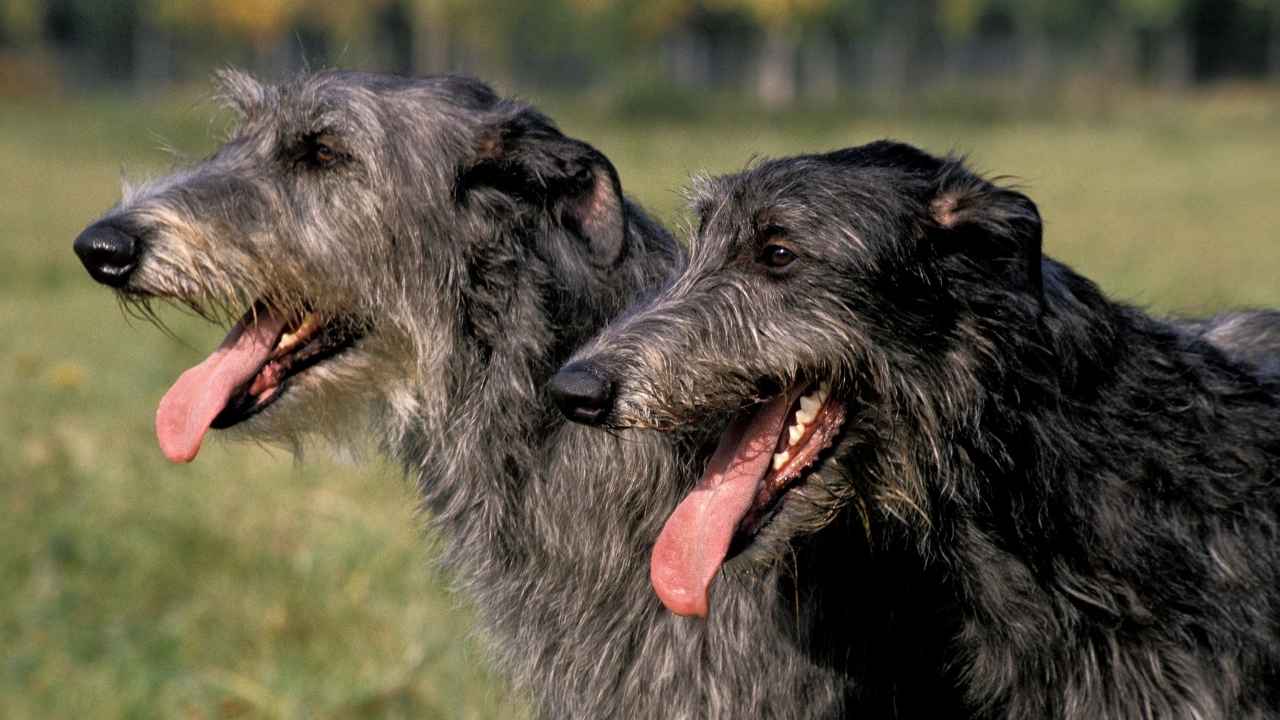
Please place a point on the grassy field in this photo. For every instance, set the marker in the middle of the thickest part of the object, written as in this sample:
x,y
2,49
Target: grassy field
x,y
252,585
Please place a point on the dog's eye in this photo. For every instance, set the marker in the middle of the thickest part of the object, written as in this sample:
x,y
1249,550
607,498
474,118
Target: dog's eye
x,y
320,152
777,256
323,155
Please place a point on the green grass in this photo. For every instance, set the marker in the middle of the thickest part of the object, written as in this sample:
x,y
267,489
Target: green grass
x,y
252,585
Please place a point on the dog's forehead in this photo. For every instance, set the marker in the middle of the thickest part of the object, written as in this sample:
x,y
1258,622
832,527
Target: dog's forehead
x,y
354,102
793,184
782,192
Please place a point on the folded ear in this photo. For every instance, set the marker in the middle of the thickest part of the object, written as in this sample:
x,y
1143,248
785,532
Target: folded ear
x,y
524,156
996,226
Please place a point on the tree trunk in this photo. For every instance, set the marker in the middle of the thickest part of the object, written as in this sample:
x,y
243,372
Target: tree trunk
x,y
431,51
1119,56
1037,58
1273,42
1175,59
776,69
891,53
689,60
152,55
821,69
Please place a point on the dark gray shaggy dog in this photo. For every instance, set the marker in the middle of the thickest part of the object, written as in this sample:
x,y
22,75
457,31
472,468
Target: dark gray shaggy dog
x,y
1093,491
412,259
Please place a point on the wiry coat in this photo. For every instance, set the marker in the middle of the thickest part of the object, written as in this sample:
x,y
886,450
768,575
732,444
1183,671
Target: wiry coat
x,y
471,246
1092,491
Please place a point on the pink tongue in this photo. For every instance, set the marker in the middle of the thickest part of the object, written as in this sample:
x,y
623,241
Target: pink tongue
x,y
696,538
187,410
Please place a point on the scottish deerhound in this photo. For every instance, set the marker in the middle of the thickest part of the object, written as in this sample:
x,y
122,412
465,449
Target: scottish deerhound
x,y
1096,490
412,259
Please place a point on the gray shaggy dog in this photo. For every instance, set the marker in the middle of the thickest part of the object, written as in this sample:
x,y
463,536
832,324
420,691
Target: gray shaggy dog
x,y
411,259
1092,494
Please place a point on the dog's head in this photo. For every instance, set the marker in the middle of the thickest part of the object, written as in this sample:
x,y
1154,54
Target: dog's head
x,y
357,232
831,301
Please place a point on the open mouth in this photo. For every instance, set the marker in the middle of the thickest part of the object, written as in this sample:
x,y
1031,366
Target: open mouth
x,y
763,455
814,420
249,371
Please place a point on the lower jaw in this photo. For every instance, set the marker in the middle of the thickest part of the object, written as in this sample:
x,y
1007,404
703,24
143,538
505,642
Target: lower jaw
x,y
244,406
773,502
756,527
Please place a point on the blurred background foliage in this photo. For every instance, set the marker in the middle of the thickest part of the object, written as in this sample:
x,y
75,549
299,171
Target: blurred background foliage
x,y
250,584
776,51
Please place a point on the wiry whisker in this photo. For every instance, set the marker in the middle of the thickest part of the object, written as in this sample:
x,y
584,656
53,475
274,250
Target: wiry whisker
x,y
165,146
141,308
211,312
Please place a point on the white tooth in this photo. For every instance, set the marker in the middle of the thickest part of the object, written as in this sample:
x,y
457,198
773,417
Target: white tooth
x,y
781,459
795,431
288,340
309,323
808,410
810,405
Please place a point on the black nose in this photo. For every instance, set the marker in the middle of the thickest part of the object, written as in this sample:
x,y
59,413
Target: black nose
x,y
582,393
109,253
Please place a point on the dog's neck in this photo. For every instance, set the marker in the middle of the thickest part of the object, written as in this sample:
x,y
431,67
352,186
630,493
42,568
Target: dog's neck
x,y
1104,416
474,462
547,527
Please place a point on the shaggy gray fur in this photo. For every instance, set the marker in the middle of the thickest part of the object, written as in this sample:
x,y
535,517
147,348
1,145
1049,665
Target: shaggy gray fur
x,y
472,246
1090,492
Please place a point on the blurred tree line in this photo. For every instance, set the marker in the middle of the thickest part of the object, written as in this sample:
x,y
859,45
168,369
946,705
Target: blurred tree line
x,y
778,50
